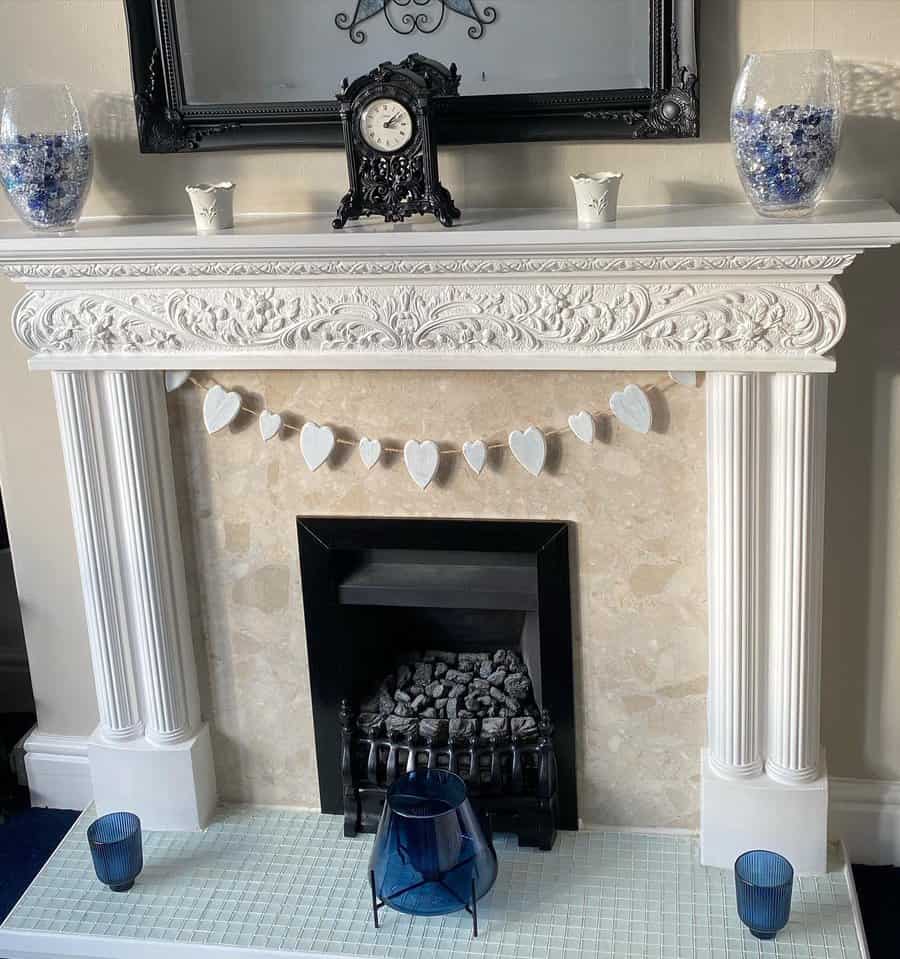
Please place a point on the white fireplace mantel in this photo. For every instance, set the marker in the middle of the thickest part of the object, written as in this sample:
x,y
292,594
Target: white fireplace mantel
x,y
717,289
713,288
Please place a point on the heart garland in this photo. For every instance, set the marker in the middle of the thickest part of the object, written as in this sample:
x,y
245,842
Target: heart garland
x,y
316,444
475,454
269,425
369,452
583,426
175,379
220,408
421,461
684,377
630,406
529,448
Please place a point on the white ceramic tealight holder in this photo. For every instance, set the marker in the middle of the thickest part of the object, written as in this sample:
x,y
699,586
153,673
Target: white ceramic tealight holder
x,y
213,205
596,197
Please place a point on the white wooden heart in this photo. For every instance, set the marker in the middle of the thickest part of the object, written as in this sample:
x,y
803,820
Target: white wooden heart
x,y
632,408
684,377
220,408
475,454
269,424
369,452
421,460
583,426
176,379
529,448
316,444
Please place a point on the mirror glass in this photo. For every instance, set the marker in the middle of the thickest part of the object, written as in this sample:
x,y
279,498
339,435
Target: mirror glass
x,y
237,51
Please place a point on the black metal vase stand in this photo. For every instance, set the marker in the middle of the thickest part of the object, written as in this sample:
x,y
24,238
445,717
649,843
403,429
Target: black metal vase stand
x,y
471,907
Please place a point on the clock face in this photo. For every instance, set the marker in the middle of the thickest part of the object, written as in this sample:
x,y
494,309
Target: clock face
x,y
386,125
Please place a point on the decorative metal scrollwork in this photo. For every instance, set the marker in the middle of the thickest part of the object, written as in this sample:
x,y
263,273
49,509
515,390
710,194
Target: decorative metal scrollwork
x,y
420,15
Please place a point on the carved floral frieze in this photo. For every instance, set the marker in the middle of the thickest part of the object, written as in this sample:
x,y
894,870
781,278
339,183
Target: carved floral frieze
x,y
789,319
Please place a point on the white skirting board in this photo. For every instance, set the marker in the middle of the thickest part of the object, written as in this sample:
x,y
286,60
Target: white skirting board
x,y
59,776
865,814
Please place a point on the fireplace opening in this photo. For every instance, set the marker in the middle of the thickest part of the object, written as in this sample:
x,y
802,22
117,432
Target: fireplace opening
x,y
442,644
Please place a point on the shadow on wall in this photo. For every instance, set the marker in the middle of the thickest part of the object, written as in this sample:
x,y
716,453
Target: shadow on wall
x,y
871,138
720,63
861,526
134,183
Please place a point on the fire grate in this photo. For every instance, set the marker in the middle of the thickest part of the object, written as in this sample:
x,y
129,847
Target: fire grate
x,y
512,779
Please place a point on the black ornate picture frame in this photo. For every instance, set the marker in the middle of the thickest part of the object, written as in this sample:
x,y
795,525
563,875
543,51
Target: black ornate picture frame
x,y
668,108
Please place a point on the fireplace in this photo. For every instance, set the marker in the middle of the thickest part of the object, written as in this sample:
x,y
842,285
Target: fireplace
x,y
442,644
746,302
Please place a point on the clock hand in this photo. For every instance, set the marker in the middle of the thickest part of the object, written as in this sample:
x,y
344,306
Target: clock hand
x,y
393,120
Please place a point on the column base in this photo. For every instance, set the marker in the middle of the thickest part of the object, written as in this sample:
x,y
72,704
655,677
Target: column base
x,y
167,787
759,813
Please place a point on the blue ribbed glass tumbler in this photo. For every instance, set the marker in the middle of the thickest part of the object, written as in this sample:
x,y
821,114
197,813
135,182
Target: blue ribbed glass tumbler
x,y
763,882
115,841
431,856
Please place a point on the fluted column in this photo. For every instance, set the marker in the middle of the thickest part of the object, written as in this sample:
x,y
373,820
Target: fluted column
x,y
734,642
85,459
797,490
151,546
151,753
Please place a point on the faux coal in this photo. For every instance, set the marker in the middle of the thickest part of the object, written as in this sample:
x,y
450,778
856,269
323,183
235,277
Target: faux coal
x,y
460,694
401,725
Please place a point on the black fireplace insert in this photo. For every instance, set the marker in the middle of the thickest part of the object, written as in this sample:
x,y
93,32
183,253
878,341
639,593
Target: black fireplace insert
x,y
442,644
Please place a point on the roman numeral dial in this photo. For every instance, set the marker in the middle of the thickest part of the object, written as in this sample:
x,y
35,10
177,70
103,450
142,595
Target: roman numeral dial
x,y
386,125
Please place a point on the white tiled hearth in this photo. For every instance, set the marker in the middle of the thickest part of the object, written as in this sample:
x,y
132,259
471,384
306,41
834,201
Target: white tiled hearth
x,y
274,882
749,302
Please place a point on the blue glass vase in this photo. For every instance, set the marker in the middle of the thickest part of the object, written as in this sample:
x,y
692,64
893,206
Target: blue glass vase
x,y
431,856
763,882
115,841
786,128
45,155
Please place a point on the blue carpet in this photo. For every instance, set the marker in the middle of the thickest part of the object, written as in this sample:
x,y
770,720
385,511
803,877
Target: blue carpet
x,y
26,840
878,888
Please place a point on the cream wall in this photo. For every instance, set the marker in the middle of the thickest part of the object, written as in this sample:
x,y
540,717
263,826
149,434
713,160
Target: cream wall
x,y
83,41
43,544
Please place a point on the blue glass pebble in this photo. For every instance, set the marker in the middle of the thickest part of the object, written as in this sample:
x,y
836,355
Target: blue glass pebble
x,y
46,176
784,154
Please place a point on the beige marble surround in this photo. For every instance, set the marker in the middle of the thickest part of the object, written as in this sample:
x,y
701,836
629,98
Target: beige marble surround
x,y
637,502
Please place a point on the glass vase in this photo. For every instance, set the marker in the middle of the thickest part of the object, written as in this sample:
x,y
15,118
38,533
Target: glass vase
x,y
785,129
45,155
116,848
431,856
763,883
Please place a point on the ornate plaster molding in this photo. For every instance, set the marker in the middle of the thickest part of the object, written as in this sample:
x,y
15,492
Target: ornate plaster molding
x,y
770,319
827,264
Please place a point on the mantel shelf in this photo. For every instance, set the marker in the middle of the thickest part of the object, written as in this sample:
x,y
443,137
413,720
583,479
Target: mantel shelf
x,y
691,229
690,287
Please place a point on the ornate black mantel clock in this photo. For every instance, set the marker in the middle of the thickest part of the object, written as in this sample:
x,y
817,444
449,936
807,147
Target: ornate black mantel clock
x,y
388,122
